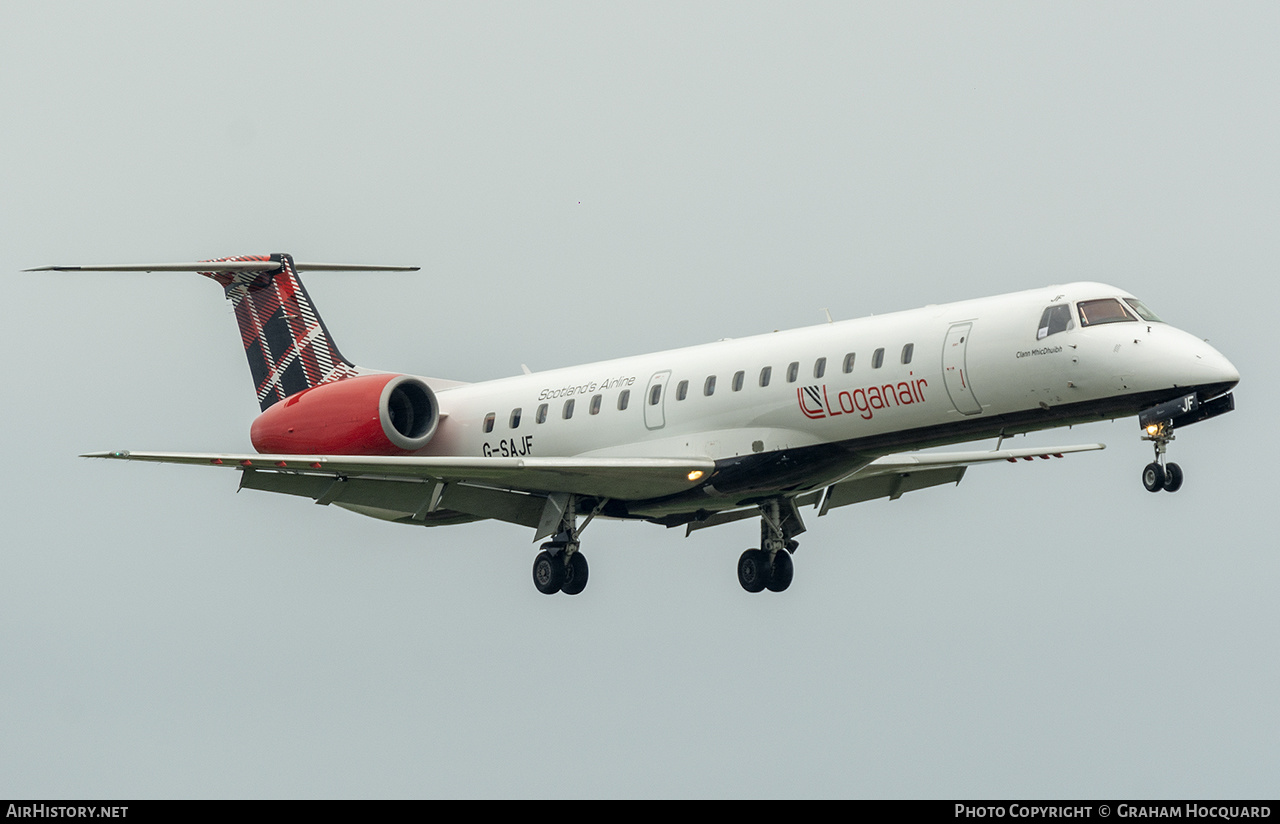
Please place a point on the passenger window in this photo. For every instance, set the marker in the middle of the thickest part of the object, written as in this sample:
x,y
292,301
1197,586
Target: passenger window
x,y
682,390
541,417
765,374
1054,320
848,363
595,404
877,359
819,367
907,352
624,398
709,388
655,394
1107,310
738,378
793,371
568,409
488,422
514,423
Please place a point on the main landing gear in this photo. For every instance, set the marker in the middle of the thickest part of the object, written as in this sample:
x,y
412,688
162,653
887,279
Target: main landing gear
x,y
770,566
561,566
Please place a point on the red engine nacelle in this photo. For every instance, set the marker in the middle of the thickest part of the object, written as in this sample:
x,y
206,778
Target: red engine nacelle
x,y
368,415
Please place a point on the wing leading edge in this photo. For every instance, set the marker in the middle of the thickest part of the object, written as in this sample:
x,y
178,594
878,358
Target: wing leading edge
x,y
416,488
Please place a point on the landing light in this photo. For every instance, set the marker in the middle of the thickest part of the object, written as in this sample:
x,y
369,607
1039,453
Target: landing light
x,y
695,475
1154,429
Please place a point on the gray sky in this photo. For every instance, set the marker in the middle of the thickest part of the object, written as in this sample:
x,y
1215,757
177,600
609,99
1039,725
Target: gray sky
x,y
584,181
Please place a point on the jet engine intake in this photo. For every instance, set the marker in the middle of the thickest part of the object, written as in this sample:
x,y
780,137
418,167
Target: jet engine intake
x,y
365,415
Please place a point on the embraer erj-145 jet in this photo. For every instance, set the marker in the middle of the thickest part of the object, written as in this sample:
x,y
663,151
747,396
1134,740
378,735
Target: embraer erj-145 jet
x,y
757,427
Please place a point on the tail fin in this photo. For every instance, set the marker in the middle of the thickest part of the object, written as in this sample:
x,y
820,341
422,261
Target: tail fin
x,y
288,347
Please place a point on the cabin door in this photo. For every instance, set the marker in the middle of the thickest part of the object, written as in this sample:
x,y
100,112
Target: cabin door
x,y
955,371
654,399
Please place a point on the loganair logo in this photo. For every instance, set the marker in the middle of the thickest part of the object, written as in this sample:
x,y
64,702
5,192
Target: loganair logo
x,y
817,402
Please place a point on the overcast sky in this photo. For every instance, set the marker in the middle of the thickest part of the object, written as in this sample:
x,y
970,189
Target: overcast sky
x,y
582,181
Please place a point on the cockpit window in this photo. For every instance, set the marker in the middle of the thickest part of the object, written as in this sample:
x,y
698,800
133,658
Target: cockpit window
x,y
1142,310
1107,310
1055,319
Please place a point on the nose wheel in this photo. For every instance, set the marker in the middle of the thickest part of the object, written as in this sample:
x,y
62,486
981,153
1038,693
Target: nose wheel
x,y
1167,477
1158,474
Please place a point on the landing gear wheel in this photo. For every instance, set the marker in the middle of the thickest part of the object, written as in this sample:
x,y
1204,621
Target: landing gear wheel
x,y
753,570
782,573
1153,477
575,575
1172,477
548,573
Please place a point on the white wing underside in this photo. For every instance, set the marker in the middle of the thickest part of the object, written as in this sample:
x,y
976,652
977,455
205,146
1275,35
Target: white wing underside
x,y
892,476
517,489
617,478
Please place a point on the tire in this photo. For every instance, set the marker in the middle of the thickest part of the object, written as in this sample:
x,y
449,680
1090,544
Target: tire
x,y
548,573
1153,477
753,570
1172,477
782,573
575,575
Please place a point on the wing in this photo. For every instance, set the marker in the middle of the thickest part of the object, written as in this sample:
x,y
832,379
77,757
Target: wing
x,y
447,490
891,476
894,475
521,490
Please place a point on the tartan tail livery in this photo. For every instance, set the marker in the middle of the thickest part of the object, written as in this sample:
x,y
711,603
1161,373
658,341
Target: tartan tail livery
x,y
287,345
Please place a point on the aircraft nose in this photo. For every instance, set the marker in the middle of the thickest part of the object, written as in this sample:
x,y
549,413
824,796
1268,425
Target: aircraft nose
x,y
1214,368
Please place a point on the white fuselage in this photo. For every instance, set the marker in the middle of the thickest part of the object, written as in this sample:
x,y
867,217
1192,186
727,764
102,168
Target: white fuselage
x,y
946,373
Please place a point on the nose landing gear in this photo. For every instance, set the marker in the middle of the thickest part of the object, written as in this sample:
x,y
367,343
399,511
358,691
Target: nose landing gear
x,y
1158,424
1158,474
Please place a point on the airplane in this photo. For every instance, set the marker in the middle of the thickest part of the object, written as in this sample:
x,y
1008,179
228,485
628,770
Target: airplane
x,y
758,427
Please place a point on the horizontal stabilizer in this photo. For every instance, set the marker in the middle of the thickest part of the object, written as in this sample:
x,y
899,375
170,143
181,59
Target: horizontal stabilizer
x,y
285,341
225,266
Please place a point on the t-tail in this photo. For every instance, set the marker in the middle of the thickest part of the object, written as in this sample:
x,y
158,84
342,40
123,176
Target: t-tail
x,y
287,345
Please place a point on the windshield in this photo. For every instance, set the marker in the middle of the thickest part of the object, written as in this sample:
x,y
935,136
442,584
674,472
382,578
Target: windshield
x,y
1142,310
1107,310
